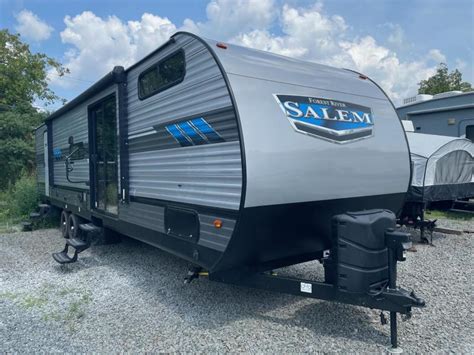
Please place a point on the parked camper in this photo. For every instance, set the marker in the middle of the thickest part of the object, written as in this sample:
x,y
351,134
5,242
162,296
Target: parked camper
x,y
442,171
239,161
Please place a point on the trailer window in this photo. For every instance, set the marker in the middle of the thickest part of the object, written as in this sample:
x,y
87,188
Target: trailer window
x,y
163,75
470,132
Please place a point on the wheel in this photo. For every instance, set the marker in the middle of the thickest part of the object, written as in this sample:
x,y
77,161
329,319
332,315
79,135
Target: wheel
x,y
73,225
64,224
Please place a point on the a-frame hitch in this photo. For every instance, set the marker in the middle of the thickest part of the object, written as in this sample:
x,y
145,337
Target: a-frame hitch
x,y
361,269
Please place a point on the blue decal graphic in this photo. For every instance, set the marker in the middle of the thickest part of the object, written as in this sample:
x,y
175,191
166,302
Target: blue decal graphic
x,y
194,132
191,133
332,120
201,125
178,135
57,153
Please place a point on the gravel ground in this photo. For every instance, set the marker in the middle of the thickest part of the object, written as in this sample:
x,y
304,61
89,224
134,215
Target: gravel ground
x,y
131,297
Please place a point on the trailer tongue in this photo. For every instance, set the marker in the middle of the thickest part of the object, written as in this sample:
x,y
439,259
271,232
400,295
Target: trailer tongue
x,y
360,269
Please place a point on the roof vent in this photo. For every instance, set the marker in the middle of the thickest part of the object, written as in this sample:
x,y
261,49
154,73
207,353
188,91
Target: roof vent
x,y
417,98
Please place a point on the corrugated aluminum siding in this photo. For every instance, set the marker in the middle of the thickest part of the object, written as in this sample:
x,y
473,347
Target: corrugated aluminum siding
x,y
209,175
149,216
153,217
74,123
39,151
203,175
210,236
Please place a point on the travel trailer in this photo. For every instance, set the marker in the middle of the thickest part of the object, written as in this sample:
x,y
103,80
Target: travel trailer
x,y
241,162
442,171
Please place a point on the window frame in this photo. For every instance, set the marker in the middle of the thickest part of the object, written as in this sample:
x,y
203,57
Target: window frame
x,y
466,129
155,66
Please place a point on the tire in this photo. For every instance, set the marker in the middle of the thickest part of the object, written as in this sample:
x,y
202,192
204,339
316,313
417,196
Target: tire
x,y
64,224
73,225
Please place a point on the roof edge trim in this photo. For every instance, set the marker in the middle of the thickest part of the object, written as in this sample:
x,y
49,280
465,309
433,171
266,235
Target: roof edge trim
x,y
117,75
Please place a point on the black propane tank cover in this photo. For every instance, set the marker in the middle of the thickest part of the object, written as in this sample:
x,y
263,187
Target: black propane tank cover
x,y
360,259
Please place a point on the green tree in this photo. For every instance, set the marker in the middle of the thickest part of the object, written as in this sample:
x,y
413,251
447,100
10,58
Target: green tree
x,y
444,81
23,80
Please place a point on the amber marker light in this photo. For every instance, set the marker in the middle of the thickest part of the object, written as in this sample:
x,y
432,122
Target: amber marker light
x,y
221,45
218,223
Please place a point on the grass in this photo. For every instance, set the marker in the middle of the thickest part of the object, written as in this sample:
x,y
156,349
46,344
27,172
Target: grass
x,y
31,301
8,296
16,204
68,305
450,215
77,308
8,223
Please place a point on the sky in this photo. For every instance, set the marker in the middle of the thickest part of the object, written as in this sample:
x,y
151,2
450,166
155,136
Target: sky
x,y
395,42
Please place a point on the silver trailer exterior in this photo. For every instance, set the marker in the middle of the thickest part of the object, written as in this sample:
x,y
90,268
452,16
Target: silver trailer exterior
x,y
239,160
258,161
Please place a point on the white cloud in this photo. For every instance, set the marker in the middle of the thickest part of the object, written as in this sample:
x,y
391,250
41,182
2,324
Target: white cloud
x,y
460,64
397,36
437,56
399,79
32,27
100,44
308,33
150,32
230,17
263,40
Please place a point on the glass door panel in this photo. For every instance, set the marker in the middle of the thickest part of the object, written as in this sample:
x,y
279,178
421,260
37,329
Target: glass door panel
x,y
104,122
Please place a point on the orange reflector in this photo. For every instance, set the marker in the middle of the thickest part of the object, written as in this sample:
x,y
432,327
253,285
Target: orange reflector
x,y
217,223
221,45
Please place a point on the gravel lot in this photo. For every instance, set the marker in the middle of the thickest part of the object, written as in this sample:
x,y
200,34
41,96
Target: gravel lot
x,y
131,297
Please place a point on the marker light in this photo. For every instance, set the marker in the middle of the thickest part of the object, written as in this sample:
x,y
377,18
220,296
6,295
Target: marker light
x,y
221,45
363,77
217,223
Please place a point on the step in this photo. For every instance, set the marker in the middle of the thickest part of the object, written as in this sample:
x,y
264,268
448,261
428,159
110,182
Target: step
x,y
77,244
26,226
35,215
63,258
43,209
89,228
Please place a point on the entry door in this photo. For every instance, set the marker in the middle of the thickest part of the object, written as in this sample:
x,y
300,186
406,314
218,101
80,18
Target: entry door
x,y
104,155
46,163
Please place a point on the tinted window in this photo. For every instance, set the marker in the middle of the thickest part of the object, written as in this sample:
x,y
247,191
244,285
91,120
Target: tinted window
x,y
470,132
162,76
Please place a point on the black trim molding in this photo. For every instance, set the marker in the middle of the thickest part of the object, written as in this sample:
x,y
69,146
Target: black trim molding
x,y
123,138
112,77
